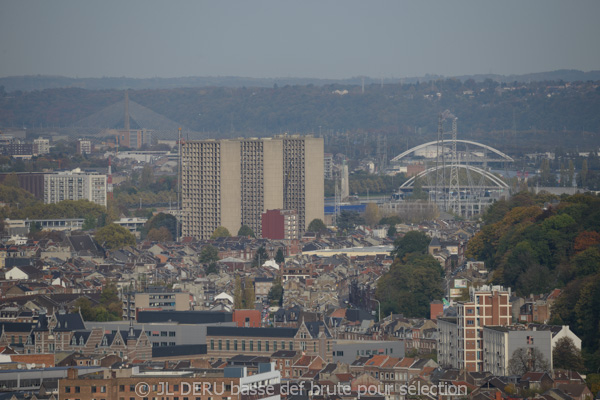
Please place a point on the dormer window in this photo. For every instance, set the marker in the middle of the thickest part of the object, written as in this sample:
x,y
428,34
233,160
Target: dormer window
x,y
81,341
104,341
74,341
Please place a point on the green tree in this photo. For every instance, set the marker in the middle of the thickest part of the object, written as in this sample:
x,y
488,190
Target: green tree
x,y
221,231
275,295
114,236
11,180
89,223
84,305
209,254
245,230
349,220
410,285
412,242
392,232
212,268
566,356
316,225
390,220
260,257
418,193
279,257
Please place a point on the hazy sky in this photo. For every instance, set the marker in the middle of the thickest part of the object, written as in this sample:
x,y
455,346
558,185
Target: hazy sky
x,y
299,38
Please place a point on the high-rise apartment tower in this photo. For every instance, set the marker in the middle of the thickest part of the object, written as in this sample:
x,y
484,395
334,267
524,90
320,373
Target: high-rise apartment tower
x,y
231,183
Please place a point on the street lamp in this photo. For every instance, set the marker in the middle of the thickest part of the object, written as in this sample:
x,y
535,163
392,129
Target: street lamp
x,y
379,310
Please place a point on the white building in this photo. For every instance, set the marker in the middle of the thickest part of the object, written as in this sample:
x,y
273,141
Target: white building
x,y
75,185
500,343
41,146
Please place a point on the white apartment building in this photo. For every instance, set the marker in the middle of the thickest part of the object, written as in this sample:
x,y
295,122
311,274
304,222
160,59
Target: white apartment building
x,y
41,146
75,185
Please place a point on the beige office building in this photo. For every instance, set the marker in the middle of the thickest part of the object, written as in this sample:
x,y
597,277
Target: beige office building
x,y
231,183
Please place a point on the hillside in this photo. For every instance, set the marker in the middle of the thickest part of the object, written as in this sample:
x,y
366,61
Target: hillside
x,y
533,250
538,114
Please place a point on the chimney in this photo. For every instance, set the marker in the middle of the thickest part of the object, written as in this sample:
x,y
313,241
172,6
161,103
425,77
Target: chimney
x,y
72,373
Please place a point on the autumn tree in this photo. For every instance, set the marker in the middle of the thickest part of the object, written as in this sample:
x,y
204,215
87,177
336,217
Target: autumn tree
x,y
238,299
249,293
372,214
161,234
114,236
221,231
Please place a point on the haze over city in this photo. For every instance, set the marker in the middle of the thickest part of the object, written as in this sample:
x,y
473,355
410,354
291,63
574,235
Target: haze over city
x,y
299,200
334,39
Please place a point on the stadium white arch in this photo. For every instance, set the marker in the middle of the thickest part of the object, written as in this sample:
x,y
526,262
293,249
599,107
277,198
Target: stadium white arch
x,y
503,156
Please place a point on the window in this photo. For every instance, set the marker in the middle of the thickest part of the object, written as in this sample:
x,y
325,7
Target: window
x,y
235,344
171,333
252,345
212,344
243,345
291,345
67,389
259,346
529,339
283,345
266,345
220,344
227,344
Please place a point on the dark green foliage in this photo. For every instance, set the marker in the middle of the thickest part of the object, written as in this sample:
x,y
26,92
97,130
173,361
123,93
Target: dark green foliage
x,y
109,309
89,223
390,220
316,225
161,220
412,242
209,254
212,268
410,285
391,232
245,230
279,257
260,257
566,356
275,295
348,220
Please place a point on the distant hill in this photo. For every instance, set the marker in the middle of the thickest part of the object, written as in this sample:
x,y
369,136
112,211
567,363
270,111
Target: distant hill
x,y
539,115
41,82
